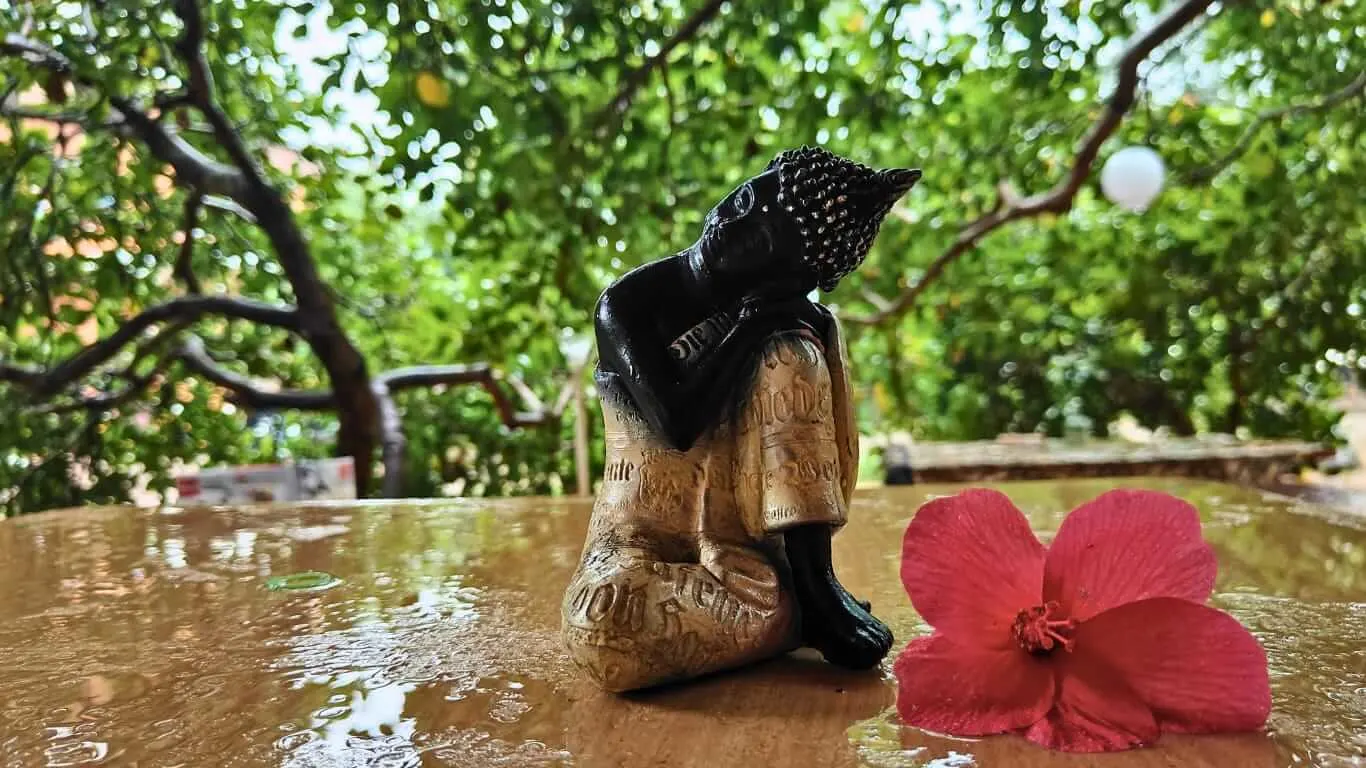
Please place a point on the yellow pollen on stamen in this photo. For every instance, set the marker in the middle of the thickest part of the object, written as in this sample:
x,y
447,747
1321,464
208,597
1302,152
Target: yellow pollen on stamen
x,y
1039,630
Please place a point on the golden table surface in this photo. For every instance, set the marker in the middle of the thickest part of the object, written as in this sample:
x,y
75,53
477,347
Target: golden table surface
x,y
150,638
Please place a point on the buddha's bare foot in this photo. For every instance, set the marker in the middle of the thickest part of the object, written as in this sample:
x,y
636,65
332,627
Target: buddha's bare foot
x,y
833,622
866,605
845,633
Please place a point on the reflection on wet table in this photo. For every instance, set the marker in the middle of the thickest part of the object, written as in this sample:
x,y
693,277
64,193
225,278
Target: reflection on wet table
x,y
427,634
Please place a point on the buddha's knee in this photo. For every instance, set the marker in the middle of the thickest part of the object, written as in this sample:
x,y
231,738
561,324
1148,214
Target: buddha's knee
x,y
639,625
621,678
610,600
616,672
615,662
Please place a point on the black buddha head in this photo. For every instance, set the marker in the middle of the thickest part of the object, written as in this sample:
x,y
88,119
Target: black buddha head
x,y
805,222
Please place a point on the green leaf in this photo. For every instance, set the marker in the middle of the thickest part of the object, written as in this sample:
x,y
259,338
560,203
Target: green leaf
x,y
306,581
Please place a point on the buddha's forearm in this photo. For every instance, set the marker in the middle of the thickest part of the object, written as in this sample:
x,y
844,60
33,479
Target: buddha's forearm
x,y
688,407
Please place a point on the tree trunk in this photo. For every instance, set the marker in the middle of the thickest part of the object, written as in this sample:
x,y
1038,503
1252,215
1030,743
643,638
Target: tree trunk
x,y
901,398
357,407
393,443
358,434
1233,417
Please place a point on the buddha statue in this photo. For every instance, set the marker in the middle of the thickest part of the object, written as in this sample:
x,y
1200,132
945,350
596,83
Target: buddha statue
x,y
731,445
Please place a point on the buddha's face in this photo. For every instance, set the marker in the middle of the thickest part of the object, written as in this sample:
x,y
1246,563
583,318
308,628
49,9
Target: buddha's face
x,y
748,240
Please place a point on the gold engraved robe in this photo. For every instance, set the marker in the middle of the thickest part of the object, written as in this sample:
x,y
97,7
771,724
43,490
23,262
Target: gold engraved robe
x,y
683,572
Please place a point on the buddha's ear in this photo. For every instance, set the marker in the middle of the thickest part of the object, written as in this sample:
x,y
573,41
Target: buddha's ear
x,y
897,181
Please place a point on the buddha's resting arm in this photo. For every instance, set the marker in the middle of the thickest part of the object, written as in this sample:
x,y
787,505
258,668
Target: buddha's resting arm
x,y
681,403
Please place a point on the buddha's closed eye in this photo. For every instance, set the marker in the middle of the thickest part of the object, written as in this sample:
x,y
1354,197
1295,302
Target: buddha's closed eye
x,y
738,205
744,200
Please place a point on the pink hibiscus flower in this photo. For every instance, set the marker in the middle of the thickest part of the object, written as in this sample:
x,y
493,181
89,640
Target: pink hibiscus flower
x,y
1099,642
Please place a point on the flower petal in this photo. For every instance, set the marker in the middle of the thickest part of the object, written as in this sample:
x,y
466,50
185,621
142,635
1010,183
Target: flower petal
x,y
966,690
1095,710
1124,546
971,564
1197,668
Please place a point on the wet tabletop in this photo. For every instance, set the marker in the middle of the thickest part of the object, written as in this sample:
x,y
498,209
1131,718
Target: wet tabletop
x,y
155,638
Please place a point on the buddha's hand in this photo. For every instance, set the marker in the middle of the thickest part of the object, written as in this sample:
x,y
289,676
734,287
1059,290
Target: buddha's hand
x,y
768,314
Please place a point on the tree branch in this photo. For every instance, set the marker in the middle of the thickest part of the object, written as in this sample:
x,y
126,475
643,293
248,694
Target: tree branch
x,y
638,76
35,52
251,395
57,118
393,443
46,384
111,400
879,303
1346,93
190,48
166,103
228,206
485,376
193,168
246,393
184,267
1060,198
23,375
666,146
137,383
193,356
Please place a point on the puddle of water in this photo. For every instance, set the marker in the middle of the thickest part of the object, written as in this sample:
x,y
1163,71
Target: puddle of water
x,y
146,638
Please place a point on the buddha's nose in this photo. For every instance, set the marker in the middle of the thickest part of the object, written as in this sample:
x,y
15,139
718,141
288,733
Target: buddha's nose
x,y
899,180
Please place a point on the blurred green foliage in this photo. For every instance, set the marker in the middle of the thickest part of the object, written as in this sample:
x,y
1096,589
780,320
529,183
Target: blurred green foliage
x,y
469,185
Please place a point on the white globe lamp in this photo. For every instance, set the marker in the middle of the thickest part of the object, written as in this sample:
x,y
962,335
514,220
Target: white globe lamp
x,y
1132,177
